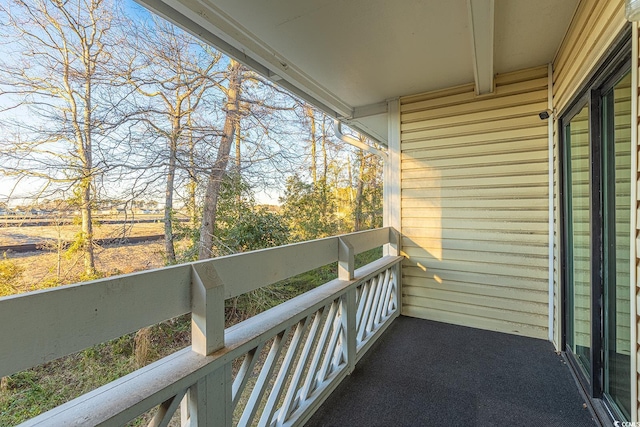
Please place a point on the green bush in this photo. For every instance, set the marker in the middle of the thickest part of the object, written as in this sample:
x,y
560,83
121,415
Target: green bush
x,y
10,274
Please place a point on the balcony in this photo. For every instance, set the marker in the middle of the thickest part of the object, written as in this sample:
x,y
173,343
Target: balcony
x,y
277,368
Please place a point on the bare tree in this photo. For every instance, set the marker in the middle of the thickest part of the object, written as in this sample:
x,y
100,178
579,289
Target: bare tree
x,y
53,76
175,75
218,171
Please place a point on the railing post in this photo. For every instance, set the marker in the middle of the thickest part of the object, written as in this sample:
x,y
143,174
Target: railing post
x,y
210,398
346,260
394,246
207,309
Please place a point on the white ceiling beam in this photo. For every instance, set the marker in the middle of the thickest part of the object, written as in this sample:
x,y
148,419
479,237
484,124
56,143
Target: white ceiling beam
x,y
481,25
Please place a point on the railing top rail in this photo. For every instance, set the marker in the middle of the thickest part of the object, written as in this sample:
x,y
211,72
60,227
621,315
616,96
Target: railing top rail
x,y
44,325
155,383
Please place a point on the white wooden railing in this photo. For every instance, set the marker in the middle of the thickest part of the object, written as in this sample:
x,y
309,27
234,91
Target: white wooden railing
x,y
275,368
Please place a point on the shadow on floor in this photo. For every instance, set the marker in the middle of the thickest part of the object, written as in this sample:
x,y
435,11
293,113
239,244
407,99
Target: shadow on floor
x,y
424,373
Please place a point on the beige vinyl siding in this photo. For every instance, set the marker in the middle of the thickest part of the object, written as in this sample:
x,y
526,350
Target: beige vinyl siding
x,y
474,191
593,29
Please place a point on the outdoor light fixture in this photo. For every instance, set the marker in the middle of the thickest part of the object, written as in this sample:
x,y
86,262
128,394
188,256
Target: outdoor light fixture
x,y
632,10
544,115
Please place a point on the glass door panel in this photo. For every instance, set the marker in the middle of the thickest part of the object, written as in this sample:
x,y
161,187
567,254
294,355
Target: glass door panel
x,y
576,136
616,132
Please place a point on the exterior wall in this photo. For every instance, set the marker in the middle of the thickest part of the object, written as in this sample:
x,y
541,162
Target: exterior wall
x,y
474,205
594,28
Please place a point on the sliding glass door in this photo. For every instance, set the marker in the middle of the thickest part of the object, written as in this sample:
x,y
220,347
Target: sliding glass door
x,y
578,222
596,153
616,142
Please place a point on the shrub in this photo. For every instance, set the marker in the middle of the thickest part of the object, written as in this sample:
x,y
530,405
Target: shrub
x,y
10,274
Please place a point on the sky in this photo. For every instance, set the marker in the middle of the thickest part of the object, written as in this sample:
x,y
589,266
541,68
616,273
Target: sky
x,y
13,190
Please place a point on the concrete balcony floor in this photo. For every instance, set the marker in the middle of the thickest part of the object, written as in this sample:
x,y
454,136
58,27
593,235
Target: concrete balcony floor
x,y
423,373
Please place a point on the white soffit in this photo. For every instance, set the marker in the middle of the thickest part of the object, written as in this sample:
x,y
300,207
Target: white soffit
x,y
528,33
349,56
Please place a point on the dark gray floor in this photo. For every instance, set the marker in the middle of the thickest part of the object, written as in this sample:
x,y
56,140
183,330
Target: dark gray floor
x,y
424,373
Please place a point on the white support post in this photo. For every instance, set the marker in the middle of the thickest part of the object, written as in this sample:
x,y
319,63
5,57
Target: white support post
x,y
391,192
219,404
209,402
207,309
346,260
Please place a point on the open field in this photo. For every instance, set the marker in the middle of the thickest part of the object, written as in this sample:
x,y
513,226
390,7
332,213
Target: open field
x,y
41,268
14,235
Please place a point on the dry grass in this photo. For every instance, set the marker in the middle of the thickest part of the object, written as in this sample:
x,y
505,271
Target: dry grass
x,y
42,267
22,235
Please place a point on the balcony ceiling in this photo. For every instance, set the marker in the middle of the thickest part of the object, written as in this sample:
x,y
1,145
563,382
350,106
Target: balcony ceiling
x,y
350,56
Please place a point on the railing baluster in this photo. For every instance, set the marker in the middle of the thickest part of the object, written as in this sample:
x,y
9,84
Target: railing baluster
x,y
166,410
383,292
245,372
283,374
289,400
349,327
371,322
388,295
263,379
362,303
331,348
312,374
362,332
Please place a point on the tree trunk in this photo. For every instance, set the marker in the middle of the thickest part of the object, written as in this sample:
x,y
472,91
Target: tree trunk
x,y
312,122
86,156
219,168
169,249
359,193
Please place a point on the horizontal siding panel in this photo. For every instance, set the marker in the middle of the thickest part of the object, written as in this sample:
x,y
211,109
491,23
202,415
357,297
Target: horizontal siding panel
x,y
526,110
433,246
466,94
471,266
474,205
539,168
535,213
594,28
515,282
489,103
513,294
484,160
492,182
497,302
535,74
495,192
476,224
464,319
493,257
475,235
478,311
485,149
